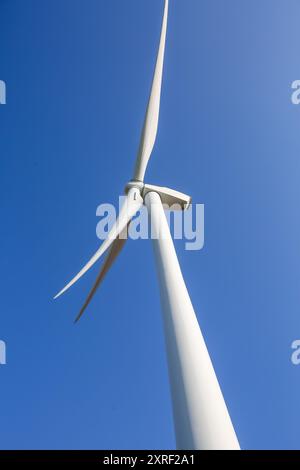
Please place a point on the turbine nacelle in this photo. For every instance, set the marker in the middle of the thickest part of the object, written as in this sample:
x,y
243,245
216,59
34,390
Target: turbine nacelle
x,y
174,200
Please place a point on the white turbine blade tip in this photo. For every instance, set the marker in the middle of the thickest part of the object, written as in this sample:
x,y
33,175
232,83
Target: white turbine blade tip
x,y
59,294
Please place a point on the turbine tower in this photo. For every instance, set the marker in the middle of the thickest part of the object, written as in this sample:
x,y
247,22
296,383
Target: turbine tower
x,y
200,414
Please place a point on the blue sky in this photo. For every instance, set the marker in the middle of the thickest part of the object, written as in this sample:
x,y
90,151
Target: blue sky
x,y
78,75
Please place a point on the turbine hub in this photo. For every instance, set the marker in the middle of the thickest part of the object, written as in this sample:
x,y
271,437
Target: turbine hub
x,y
139,185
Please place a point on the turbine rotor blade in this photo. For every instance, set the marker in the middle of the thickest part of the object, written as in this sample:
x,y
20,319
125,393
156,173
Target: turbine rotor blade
x,y
152,114
132,204
114,251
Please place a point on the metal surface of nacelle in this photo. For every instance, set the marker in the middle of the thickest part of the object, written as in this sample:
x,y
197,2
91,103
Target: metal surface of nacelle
x,y
169,197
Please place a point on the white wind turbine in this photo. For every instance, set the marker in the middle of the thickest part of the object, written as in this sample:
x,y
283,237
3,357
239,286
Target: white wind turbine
x,y
200,414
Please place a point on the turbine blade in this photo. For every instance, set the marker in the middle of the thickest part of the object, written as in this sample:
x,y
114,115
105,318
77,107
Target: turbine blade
x,y
152,114
132,204
111,257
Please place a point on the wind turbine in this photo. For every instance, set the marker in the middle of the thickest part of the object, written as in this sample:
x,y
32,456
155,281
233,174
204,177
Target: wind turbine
x,y
200,414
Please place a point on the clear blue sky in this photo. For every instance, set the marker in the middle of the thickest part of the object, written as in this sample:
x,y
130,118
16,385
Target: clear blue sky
x,y
78,74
